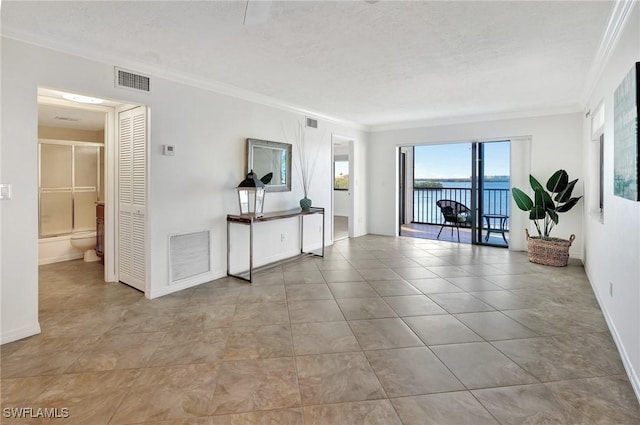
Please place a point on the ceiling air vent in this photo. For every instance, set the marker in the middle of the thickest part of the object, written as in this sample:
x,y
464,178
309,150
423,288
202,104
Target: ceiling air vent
x,y
130,80
66,118
311,122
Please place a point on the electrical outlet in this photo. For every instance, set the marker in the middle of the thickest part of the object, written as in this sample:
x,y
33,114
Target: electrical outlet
x,y
282,237
611,289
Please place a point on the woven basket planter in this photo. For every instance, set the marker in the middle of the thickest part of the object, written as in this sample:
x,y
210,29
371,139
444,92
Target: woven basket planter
x,y
549,252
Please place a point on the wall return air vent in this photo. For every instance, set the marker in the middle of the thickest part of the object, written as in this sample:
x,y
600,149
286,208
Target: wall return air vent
x,y
131,80
311,122
189,255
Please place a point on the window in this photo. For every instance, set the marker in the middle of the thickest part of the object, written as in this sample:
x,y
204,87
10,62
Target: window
x,y
341,175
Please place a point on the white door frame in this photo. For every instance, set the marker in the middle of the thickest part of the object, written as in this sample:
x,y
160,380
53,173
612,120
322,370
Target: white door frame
x,y
519,169
110,174
109,180
350,144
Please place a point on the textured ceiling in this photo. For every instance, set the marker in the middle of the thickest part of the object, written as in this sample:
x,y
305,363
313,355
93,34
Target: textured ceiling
x,y
373,63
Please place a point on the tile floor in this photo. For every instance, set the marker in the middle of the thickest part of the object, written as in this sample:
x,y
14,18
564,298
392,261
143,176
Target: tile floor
x,y
340,227
383,330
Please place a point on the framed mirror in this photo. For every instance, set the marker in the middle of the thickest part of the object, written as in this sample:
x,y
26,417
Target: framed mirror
x,y
264,157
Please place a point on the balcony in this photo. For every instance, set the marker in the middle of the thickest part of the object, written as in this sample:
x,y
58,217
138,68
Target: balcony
x,y
427,218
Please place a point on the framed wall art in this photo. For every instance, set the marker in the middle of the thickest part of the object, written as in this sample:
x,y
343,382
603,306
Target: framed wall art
x,y
626,143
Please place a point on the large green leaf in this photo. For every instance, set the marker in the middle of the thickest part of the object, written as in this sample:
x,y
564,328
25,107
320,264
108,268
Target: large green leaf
x,y
266,179
535,184
565,195
570,204
537,213
558,181
537,198
522,199
553,215
543,199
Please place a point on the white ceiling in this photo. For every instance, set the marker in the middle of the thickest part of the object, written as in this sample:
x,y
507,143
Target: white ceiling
x,y
61,117
372,63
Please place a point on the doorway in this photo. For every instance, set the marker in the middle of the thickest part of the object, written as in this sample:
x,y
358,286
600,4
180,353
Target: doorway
x,y
456,192
342,205
71,178
62,116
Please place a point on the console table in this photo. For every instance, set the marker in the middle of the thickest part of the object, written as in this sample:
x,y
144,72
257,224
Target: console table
x,y
280,215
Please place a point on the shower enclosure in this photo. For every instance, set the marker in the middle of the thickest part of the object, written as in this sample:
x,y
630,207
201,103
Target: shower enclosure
x,y
69,186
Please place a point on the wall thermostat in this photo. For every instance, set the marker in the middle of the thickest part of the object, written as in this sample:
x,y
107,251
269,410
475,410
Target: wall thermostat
x,y
169,150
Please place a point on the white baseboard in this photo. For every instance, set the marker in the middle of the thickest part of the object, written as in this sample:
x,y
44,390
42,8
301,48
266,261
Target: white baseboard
x,y
21,333
626,361
187,283
264,261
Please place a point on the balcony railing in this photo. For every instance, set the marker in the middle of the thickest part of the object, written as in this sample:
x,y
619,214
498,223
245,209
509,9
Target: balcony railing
x,y
425,210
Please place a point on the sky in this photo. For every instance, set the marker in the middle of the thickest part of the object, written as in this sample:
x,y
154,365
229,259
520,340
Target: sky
x,y
342,167
454,160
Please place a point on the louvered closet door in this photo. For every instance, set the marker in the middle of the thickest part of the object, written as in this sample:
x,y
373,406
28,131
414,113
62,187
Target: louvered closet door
x,y
132,142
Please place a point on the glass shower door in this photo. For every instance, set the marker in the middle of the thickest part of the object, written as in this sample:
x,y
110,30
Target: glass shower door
x,y
69,186
85,187
56,189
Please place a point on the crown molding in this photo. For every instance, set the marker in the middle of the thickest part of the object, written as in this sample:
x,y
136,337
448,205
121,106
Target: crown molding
x,y
178,77
617,20
470,119
618,17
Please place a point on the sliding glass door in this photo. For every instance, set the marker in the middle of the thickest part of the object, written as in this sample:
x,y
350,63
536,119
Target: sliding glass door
x,y
460,193
493,193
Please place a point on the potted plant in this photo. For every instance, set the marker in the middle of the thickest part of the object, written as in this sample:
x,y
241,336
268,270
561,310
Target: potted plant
x,y
543,211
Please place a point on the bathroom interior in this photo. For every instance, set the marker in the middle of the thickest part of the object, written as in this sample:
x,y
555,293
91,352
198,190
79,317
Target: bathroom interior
x,y
71,156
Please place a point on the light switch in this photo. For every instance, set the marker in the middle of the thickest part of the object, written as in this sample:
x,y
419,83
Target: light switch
x,y
5,191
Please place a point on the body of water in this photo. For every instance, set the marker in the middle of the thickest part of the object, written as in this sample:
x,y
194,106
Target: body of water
x,y
499,184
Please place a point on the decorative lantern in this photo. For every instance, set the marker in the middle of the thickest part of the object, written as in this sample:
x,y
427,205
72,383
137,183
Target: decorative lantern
x,y
251,196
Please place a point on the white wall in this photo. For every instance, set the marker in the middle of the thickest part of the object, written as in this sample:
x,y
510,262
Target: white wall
x,y
359,167
612,246
60,133
193,190
540,145
19,167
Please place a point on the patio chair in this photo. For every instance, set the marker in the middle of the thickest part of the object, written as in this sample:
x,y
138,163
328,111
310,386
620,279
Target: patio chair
x,y
455,213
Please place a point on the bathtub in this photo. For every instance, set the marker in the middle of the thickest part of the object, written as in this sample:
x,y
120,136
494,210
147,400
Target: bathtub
x,y
58,248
